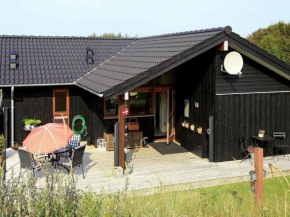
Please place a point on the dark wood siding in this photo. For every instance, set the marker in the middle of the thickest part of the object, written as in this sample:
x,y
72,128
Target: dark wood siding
x,y
37,103
245,114
195,81
255,78
29,103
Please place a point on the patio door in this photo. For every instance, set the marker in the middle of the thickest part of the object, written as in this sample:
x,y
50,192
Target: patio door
x,y
170,115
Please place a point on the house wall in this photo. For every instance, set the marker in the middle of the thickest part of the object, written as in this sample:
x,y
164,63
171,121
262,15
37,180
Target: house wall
x,y
195,81
36,103
245,113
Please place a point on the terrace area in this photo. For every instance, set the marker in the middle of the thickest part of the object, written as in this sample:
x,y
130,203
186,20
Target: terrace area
x,y
158,165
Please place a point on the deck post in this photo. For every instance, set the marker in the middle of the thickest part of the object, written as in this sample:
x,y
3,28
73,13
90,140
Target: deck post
x,y
258,152
121,120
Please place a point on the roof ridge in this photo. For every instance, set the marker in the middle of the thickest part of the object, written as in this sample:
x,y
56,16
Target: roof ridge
x,y
66,37
226,28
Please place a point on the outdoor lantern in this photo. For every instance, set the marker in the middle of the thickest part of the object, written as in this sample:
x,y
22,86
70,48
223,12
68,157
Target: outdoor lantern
x,y
89,59
90,51
13,63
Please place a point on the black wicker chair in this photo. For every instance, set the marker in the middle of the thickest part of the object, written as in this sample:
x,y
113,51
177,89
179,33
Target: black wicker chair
x,y
280,143
244,149
27,161
75,160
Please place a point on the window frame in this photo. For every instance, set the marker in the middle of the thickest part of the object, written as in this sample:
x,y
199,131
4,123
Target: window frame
x,y
153,88
64,113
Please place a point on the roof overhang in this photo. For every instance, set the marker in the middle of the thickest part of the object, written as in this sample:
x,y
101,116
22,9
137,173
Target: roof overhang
x,y
165,66
259,55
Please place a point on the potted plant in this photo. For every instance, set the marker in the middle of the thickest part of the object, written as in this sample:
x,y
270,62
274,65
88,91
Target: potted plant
x,y
35,123
2,140
199,130
128,167
251,151
253,175
15,146
27,123
186,125
261,133
183,123
192,127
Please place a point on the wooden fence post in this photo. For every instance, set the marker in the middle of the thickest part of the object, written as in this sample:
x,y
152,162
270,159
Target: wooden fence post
x,y
259,175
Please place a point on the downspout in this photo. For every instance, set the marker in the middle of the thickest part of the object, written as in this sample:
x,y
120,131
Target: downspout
x,y
12,116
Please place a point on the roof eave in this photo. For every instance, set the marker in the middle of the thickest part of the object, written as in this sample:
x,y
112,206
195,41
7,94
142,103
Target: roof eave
x,y
166,66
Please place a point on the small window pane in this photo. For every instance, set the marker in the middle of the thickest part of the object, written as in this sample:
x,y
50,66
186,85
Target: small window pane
x,y
112,106
140,103
60,101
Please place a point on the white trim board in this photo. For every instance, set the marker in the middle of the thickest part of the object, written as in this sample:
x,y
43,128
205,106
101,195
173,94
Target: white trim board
x,y
223,94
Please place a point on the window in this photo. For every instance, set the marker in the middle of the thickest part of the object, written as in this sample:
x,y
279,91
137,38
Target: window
x,y
140,102
111,108
61,105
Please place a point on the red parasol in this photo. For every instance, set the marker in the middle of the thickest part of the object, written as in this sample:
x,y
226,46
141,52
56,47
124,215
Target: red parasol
x,y
48,138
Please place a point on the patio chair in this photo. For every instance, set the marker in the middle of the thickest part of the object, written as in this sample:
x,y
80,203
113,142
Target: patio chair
x,y
280,143
27,161
244,149
73,142
75,160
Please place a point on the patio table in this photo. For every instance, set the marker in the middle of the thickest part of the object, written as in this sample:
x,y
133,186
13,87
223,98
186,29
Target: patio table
x,y
262,142
59,152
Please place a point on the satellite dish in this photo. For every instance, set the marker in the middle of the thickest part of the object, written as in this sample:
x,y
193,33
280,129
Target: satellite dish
x,y
233,63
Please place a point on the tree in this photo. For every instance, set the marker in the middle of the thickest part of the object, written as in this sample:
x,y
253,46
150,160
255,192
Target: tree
x,y
111,35
275,39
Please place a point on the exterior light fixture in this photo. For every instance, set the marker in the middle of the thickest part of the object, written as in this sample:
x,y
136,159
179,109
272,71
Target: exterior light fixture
x,y
13,59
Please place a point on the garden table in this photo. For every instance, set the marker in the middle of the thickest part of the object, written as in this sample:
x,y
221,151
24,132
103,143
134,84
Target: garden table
x,y
265,141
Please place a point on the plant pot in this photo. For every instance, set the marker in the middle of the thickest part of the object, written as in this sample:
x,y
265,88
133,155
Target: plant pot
x,y
253,175
129,168
252,155
27,127
260,135
199,131
252,187
183,124
14,148
192,127
186,125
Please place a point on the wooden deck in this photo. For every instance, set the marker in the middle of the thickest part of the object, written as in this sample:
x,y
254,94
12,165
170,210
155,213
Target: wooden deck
x,y
158,165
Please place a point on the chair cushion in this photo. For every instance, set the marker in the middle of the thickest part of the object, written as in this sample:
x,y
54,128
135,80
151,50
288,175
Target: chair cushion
x,y
75,140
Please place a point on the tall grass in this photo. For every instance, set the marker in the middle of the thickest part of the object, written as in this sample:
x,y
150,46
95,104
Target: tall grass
x,y
59,197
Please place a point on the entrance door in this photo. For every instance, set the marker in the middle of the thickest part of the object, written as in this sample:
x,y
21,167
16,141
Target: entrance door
x,y
170,115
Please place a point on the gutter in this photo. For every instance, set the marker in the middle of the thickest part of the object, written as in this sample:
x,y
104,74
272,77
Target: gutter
x,y
36,85
12,116
93,92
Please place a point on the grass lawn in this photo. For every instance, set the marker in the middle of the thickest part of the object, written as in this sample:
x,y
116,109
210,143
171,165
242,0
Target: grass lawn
x,y
59,197
225,200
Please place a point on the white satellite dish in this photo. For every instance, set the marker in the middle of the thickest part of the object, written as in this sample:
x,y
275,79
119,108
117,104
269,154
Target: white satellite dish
x,y
233,63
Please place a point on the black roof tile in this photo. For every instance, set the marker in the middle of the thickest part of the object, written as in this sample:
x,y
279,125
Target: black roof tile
x,y
139,57
52,56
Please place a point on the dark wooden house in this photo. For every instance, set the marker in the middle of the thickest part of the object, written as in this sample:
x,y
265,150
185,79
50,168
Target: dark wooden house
x,y
170,79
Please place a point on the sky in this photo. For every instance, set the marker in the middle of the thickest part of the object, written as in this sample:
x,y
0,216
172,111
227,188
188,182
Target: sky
x,y
137,17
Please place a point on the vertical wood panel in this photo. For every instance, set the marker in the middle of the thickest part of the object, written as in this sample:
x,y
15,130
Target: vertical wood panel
x,y
269,111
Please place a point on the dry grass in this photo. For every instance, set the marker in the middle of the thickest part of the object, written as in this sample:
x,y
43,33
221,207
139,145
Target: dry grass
x,y
59,197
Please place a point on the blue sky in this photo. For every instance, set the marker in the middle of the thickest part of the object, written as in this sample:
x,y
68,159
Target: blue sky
x,y
144,18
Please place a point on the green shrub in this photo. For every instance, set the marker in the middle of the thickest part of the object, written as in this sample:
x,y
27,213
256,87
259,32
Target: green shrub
x,y
2,140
